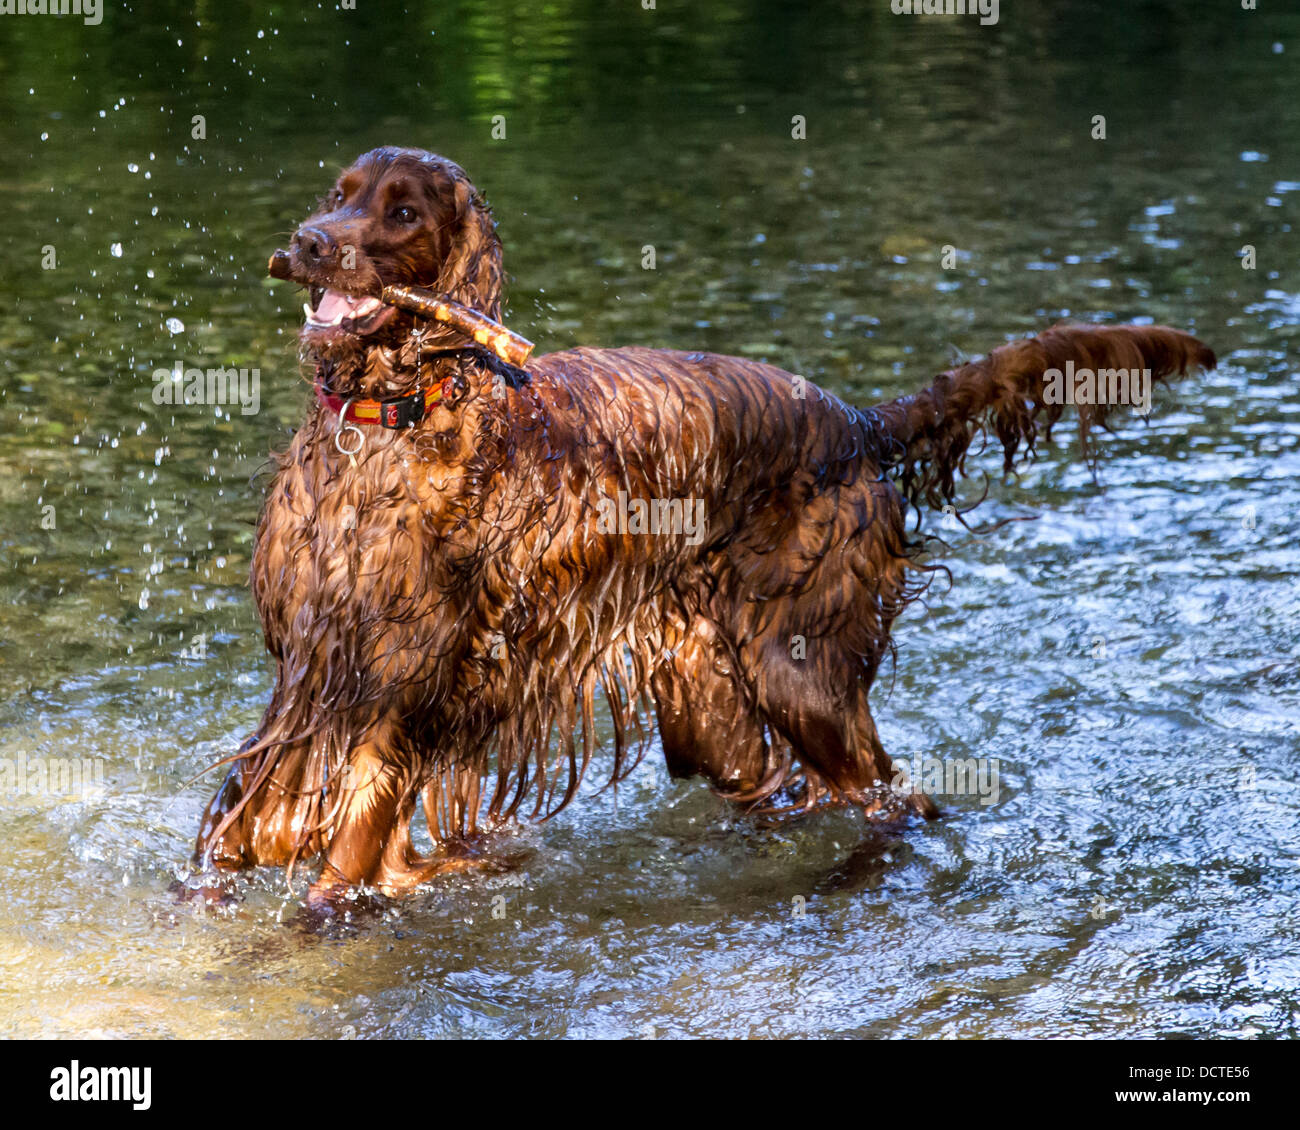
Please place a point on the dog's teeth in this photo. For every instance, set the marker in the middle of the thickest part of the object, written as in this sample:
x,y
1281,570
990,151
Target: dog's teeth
x,y
354,309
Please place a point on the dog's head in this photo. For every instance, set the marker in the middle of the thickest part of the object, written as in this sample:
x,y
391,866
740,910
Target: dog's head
x,y
396,216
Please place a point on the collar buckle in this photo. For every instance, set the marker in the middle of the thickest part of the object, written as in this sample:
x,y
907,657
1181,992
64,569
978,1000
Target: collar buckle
x,y
402,411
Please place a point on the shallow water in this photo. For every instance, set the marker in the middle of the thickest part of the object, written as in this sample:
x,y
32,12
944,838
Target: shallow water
x,y
1129,658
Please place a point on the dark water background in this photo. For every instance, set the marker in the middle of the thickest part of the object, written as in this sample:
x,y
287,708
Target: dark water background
x,y
1130,658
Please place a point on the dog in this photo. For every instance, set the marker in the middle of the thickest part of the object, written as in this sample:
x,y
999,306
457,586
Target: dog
x,y
457,553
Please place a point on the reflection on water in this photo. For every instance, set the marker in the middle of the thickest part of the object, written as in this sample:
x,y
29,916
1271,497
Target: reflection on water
x,y
1129,659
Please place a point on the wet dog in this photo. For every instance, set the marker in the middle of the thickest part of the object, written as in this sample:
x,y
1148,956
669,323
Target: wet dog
x,y
457,554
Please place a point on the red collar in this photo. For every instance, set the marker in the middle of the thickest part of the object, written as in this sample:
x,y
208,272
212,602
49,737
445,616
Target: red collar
x,y
397,412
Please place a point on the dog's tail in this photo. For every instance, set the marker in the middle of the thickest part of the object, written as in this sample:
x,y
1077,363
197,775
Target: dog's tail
x,y
1020,390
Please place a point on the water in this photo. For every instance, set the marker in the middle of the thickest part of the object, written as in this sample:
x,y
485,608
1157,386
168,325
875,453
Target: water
x,y
1130,658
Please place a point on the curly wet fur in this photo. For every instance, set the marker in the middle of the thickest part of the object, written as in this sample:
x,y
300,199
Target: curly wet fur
x,y
444,611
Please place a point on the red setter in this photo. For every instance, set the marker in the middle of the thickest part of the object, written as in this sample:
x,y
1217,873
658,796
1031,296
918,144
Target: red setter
x,y
444,589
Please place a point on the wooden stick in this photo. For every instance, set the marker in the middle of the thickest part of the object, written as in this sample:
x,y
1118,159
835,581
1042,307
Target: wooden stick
x,y
507,345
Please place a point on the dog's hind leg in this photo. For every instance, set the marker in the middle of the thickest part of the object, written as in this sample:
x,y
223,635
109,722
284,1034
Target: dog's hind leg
x,y
817,699
867,734
706,717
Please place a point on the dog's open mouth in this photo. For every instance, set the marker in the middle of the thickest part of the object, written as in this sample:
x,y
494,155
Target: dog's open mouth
x,y
333,315
331,309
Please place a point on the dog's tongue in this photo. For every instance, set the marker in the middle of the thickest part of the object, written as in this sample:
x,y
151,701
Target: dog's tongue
x,y
334,304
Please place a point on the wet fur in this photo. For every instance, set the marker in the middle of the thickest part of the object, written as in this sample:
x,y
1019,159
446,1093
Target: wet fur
x,y
444,613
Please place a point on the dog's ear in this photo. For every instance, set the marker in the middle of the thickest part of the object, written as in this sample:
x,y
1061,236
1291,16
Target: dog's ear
x,y
472,273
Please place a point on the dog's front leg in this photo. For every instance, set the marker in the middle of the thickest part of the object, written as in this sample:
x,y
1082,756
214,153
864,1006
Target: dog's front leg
x,y
368,817
370,839
258,815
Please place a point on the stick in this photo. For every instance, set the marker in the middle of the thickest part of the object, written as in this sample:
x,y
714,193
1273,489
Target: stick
x,y
507,345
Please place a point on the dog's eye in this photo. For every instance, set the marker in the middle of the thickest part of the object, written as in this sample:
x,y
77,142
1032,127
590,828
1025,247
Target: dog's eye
x,y
338,196
403,215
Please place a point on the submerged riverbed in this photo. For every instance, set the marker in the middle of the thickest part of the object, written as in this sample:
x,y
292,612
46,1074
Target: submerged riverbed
x,y
1128,659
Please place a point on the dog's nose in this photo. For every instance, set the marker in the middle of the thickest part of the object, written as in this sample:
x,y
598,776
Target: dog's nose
x,y
316,246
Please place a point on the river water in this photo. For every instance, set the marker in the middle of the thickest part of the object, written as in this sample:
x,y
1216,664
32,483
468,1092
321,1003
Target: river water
x,y
1128,659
